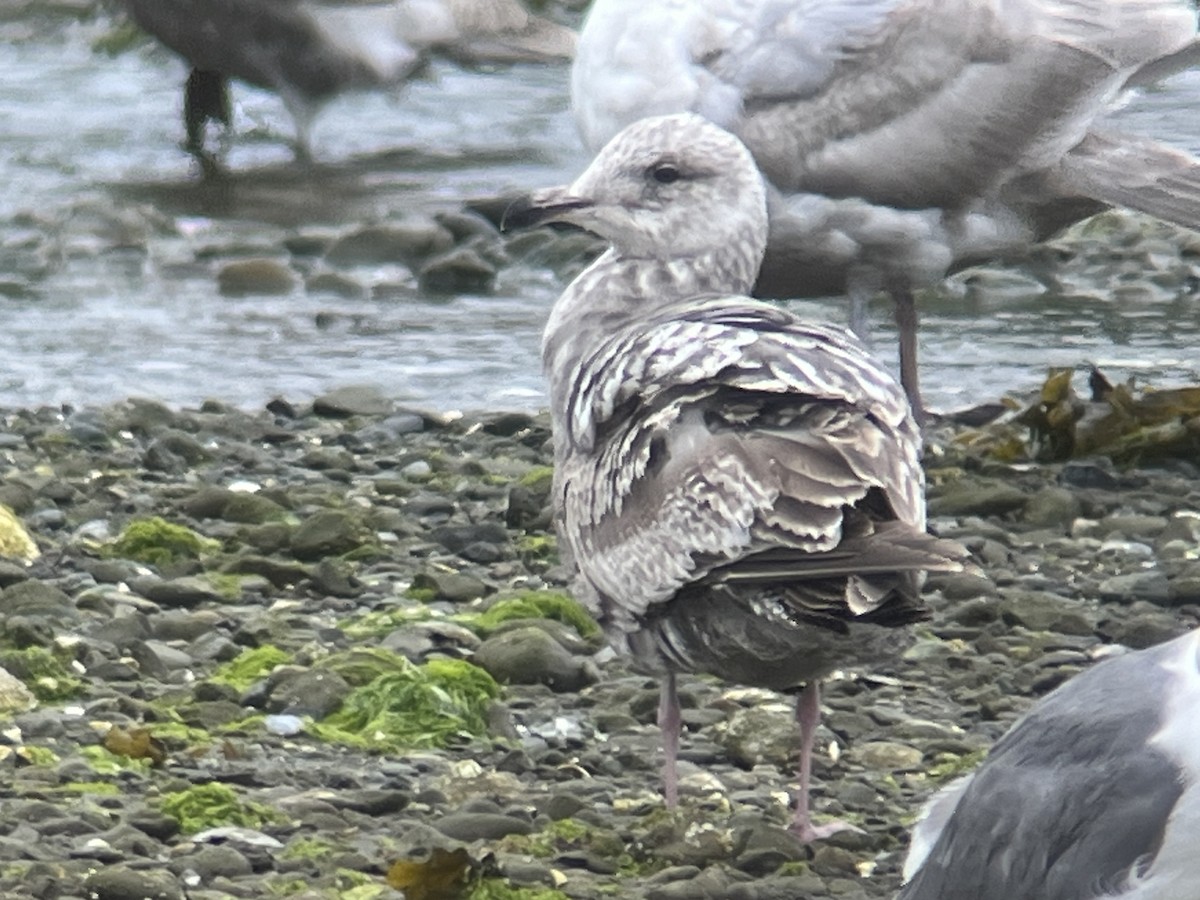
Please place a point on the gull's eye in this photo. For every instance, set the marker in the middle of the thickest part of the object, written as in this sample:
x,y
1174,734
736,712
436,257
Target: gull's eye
x,y
664,173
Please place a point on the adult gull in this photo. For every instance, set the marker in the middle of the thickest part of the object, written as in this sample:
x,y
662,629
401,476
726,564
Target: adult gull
x,y
308,51
740,491
903,139
1094,793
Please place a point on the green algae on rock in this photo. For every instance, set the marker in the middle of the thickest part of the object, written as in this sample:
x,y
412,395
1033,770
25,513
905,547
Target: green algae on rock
x,y
46,676
211,805
416,706
251,665
536,605
157,542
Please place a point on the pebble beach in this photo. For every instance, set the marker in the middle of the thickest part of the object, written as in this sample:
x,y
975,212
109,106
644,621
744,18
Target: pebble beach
x,y
202,605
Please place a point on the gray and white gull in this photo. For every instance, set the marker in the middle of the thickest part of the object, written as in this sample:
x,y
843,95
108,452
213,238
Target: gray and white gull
x,y
1095,793
903,139
740,491
309,51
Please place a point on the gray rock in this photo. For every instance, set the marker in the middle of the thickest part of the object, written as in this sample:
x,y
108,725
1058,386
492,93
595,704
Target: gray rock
x,y
352,400
120,882
460,271
1150,585
213,861
189,590
36,599
889,756
246,277
404,242
454,587
469,826
530,655
1052,507
313,692
329,532
976,497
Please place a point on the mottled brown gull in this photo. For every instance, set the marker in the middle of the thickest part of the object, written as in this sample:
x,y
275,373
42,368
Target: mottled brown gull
x,y
903,138
740,490
1095,793
308,51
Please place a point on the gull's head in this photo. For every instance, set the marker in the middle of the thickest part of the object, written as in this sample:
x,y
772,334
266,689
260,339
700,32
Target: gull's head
x,y
666,187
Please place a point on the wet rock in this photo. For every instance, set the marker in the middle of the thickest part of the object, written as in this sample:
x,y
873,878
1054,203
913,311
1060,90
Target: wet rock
x,y
15,540
1052,507
327,533
976,497
454,587
1151,586
461,271
14,696
315,692
213,861
35,599
889,756
529,655
337,284
404,242
190,590
468,826
121,882
246,277
352,400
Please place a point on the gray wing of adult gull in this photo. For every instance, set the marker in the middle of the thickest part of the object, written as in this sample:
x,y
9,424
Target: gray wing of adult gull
x,y
1094,793
740,491
902,138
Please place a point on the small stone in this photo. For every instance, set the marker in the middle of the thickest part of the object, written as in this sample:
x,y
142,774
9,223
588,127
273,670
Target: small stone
x,y
14,695
453,587
189,590
245,277
15,541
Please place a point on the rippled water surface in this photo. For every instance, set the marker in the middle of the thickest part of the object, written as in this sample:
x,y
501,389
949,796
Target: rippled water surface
x,y
112,240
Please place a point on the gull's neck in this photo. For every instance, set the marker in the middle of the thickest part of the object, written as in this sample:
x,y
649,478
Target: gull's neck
x,y
616,291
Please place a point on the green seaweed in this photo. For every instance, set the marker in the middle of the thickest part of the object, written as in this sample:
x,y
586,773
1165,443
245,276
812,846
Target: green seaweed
x,y
362,665
380,622
103,762
210,805
536,605
251,665
157,542
47,676
538,479
415,706
39,756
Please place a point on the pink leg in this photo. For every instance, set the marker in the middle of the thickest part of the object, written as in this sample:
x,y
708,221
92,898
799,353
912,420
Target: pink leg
x,y
910,377
808,717
670,724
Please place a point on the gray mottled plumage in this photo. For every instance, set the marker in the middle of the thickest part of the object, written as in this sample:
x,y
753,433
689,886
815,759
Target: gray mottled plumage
x,y
1095,793
903,138
740,491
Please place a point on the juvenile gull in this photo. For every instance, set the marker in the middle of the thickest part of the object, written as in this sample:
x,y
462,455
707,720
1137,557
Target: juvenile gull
x,y
740,491
1095,793
308,51
903,139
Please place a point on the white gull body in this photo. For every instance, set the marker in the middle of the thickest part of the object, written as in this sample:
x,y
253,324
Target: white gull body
x,y
903,138
1095,793
740,491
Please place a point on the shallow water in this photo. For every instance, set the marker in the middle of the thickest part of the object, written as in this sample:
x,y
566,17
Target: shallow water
x,y
122,300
